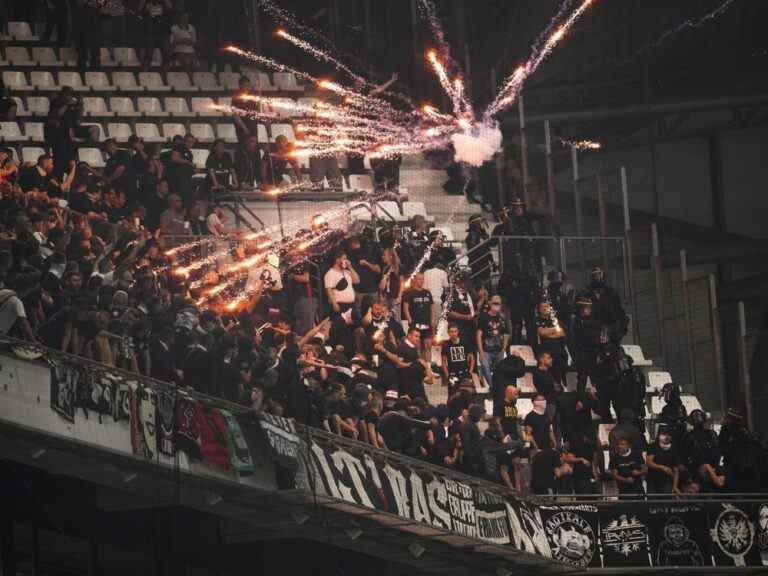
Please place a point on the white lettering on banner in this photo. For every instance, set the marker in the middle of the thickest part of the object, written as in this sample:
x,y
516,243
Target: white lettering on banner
x,y
326,469
355,468
462,507
492,527
371,465
398,484
520,538
437,496
420,509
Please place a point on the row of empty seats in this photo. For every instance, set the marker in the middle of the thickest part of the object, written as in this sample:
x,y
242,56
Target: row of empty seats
x,y
139,106
143,81
149,132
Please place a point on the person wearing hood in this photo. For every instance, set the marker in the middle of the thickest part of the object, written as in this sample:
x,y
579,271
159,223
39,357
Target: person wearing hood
x,y
479,249
663,463
673,414
701,452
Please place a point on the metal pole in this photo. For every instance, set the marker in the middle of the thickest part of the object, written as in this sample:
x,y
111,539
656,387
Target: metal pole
x,y
746,381
603,220
688,322
625,198
523,149
552,201
280,216
658,270
716,342
563,257
577,203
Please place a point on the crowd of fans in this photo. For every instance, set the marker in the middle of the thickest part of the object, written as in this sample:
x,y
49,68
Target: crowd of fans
x,y
341,338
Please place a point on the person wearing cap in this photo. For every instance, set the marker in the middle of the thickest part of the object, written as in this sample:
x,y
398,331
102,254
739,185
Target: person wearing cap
x,y
607,305
492,338
479,249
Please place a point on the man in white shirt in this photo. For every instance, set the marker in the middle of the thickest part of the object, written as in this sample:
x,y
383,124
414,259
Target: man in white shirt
x,y
436,281
12,312
339,283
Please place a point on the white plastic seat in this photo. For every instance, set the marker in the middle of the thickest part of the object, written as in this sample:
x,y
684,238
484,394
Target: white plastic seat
x,y
525,352
447,232
153,81
42,80
18,56
173,129
227,133
203,106
73,80
200,157
99,129
126,56
230,80
10,132
690,402
97,81
203,132
361,182
286,81
225,101
657,380
68,55
95,106
126,82
148,132
636,353
34,131
177,107
261,81
525,384
122,106
411,209
105,57
30,154
261,133
120,131
150,106
283,130
46,56
92,156
388,210
286,111
16,80
21,110
157,58
180,82
206,81
38,105
21,31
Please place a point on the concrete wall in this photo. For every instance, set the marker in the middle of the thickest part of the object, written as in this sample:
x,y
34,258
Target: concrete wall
x,y
744,156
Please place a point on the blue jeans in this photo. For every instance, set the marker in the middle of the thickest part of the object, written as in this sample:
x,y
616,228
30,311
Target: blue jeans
x,y
490,359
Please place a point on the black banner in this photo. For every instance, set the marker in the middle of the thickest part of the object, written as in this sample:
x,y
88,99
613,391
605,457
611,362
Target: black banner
x,y
624,536
527,529
733,535
761,531
280,434
572,532
491,516
65,379
679,535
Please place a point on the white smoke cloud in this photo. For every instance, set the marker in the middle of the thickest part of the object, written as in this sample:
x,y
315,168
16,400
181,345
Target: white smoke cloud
x,y
477,145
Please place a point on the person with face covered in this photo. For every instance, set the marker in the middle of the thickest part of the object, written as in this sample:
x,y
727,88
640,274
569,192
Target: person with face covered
x,y
701,451
607,306
663,464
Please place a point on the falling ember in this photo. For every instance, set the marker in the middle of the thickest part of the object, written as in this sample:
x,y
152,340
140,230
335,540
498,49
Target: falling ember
x,y
581,144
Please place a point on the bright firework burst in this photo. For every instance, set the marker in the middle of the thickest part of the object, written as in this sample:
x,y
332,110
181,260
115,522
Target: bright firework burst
x,y
358,119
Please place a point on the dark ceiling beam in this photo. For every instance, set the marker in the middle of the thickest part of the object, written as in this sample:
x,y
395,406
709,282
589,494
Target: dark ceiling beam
x,y
510,121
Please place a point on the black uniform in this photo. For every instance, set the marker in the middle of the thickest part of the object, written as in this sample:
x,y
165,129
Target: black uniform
x,y
607,308
584,344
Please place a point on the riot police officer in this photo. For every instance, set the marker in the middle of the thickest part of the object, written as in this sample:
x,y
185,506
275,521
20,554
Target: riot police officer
x,y
479,255
585,341
607,306
515,222
561,295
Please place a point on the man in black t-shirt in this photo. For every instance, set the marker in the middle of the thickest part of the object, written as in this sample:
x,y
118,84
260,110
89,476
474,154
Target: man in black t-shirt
x,y
417,310
367,262
547,472
552,339
457,363
411,377
628,469
663,462
462,312
491,338
537,425
506,413
117,170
